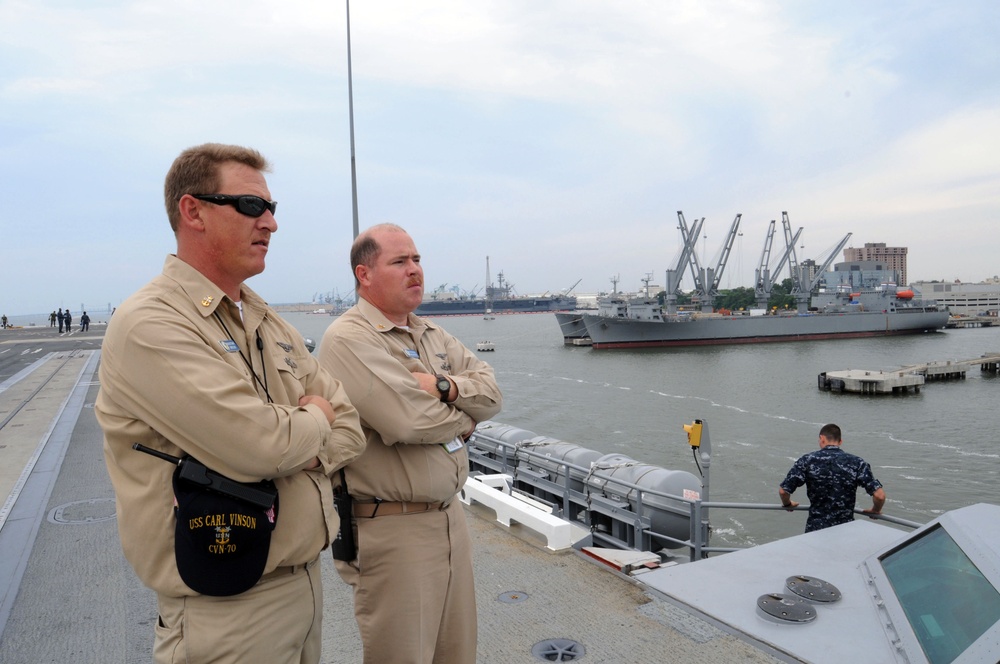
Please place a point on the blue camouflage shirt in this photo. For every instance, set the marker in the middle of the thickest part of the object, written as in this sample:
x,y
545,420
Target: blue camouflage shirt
x,y
832,477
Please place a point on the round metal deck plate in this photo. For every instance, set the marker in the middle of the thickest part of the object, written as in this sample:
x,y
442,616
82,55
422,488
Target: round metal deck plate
x,y
83,512
786,608
513,597
558,650
812,588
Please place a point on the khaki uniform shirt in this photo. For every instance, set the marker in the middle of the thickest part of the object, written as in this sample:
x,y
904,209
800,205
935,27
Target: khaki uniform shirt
x,y
405,427
172,379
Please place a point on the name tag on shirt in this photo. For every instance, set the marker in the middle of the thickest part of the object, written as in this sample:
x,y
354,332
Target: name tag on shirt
x,y
230,345
412,353
454,445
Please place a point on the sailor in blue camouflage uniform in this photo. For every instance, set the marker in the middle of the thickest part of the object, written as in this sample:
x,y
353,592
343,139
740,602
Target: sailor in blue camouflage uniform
x,y
832,477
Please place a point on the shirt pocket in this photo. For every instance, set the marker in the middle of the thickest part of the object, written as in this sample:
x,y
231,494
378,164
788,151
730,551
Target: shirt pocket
x,y
292,371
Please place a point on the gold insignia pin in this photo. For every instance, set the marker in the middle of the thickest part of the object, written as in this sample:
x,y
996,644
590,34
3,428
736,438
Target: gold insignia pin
x,y
380,326
207,301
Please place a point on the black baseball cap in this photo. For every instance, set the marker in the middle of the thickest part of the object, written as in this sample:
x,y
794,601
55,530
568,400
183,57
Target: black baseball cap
x,y
220,542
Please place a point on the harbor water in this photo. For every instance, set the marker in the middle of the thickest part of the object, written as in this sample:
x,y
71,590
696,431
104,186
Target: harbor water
x,y
934,450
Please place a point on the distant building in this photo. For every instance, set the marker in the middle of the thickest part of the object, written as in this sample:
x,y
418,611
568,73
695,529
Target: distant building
x,y
893,258
980,299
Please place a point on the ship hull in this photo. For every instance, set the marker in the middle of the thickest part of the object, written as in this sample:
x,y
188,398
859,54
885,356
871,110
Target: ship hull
x,y
693,331
572,326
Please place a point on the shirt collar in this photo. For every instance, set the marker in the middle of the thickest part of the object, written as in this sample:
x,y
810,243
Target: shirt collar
x,y
205,296
380,323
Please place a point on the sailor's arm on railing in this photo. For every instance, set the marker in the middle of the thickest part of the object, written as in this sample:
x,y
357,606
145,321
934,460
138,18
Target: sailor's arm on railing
x,y
889,518
786,499
878,501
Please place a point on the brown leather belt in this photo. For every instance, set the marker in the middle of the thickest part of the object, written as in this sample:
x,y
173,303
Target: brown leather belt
x,y
387,508
290,569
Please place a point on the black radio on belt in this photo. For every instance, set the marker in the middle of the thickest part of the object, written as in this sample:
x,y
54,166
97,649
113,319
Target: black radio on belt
x,y
343,545
193,471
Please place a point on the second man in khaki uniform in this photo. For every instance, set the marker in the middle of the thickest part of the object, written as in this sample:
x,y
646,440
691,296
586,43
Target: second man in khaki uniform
x,y
420,394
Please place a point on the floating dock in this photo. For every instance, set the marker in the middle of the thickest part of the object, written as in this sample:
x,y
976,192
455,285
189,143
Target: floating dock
x,y
905,379
870,382
972,321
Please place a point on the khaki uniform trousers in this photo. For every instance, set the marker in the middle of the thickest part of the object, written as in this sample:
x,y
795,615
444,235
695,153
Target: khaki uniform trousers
x,y
278,621
414,595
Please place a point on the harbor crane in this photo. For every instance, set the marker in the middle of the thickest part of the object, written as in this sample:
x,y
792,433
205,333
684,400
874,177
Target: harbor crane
x,y
675,275
793,261
706,280
763,281
713,282
691,248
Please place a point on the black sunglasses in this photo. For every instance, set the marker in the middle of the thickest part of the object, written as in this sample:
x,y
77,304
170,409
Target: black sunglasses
x,y
251,206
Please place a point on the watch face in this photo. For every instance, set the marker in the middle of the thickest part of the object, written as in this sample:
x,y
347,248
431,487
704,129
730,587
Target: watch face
x,y
444,385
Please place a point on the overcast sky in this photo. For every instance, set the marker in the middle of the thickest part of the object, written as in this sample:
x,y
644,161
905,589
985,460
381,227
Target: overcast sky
x,y
559,138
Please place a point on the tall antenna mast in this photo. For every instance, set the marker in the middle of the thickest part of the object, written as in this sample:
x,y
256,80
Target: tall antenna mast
x,y
350,108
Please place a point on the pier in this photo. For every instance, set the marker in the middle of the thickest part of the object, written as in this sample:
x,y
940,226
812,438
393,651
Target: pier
x,y
972,321
905,379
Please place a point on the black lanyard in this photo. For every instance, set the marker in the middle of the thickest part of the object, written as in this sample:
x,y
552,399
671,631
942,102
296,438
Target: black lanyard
x,y
260,349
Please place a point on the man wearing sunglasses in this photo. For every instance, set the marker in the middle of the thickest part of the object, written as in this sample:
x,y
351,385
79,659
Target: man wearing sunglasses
x,y
195,364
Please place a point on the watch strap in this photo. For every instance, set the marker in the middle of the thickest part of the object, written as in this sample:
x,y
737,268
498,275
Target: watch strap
x,y
444,391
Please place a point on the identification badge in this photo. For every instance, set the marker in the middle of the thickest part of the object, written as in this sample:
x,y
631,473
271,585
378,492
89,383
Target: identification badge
x,y
454,445
230,345
412,353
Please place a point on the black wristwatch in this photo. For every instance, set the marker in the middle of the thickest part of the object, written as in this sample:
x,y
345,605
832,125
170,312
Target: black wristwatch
x,y
444,386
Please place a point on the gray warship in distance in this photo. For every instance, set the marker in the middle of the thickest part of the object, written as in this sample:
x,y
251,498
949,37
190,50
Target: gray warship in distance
x,y
499,299
828,313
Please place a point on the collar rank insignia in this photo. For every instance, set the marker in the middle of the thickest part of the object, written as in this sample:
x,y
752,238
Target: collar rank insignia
x,y
285,347
207,301
291,363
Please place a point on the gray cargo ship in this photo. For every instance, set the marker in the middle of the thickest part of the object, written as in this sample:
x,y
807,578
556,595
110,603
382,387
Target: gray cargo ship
x,y
836,315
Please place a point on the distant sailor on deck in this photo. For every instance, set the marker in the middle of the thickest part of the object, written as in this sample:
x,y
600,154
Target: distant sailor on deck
x,y
832,477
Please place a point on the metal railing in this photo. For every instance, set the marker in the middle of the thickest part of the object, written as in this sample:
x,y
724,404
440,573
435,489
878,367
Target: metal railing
x,y
619,514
